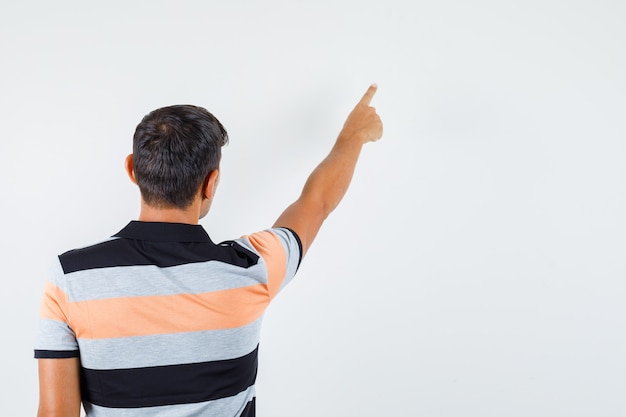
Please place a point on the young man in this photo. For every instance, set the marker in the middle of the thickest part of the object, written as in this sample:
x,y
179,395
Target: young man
x,y
158,320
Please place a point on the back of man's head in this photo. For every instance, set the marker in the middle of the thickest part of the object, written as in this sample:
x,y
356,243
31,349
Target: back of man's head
x,y
174,149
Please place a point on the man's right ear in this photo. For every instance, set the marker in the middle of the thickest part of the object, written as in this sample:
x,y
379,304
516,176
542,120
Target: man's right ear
x,y
128,164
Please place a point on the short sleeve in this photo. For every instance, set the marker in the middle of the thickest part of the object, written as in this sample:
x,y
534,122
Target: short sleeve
x,y
281,251
55,338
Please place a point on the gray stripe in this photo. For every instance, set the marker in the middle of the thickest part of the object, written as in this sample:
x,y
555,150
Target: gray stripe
x,y
55,335
227,407
169,349
137,281
293,253
56,275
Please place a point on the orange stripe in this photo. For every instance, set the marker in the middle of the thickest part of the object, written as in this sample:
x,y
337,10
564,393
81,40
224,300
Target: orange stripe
x,y
149,315
271,250
54,304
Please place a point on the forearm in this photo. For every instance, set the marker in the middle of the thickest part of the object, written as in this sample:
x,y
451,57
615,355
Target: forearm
x,y
330,180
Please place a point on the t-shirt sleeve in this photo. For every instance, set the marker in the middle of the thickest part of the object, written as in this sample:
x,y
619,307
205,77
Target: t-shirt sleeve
x,y
55,338
281,251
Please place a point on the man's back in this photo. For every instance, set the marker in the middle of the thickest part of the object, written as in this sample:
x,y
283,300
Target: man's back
x,y
166,321
159,321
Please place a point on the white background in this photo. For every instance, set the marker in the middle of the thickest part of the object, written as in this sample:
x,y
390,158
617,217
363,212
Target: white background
x,y
475,268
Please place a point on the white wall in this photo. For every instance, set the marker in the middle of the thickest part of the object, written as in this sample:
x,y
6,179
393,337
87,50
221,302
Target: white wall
x,y
475,268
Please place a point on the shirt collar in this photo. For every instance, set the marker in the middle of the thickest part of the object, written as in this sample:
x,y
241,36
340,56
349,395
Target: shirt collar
x,y
164,232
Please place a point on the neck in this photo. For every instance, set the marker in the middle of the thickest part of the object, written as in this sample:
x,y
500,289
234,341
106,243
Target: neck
x,y
189,215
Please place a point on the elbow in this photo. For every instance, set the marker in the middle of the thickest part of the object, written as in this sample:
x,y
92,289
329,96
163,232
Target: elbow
x,y
326,208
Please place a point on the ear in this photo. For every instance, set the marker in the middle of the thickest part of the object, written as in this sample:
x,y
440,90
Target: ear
x,y
128,165
210,184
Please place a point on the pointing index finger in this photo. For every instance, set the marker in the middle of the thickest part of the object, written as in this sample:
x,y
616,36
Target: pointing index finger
x,y
369,94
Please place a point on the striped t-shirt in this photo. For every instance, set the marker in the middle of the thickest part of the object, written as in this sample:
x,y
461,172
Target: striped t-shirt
x,y
165,322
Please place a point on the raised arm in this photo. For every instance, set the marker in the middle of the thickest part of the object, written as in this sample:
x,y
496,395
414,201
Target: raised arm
x,y
329,182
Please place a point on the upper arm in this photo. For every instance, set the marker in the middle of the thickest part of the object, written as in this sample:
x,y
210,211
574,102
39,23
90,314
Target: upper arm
x,y
57,352
305,217
59,387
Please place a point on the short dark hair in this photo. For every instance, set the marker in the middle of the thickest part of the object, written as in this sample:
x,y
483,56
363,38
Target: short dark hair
x,y
174,149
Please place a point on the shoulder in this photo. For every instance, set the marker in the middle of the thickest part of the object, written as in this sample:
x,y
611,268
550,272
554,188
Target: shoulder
x,y
91,256
279,244
272,239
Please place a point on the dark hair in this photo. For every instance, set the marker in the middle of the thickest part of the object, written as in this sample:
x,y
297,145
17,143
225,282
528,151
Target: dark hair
x,y
174,149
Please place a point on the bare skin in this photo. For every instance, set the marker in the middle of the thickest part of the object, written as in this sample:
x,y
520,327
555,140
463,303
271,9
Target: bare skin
x,y
59,387
328,183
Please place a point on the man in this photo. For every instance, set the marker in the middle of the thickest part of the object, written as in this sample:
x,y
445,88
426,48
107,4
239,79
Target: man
x,y
159,320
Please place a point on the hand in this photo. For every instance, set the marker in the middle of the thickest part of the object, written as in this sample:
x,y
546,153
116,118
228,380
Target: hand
x,y
363,122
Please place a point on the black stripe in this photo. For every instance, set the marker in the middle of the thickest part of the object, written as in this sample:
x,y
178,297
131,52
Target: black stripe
x,y
295,235
129,252
250,409
169,385
56,354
